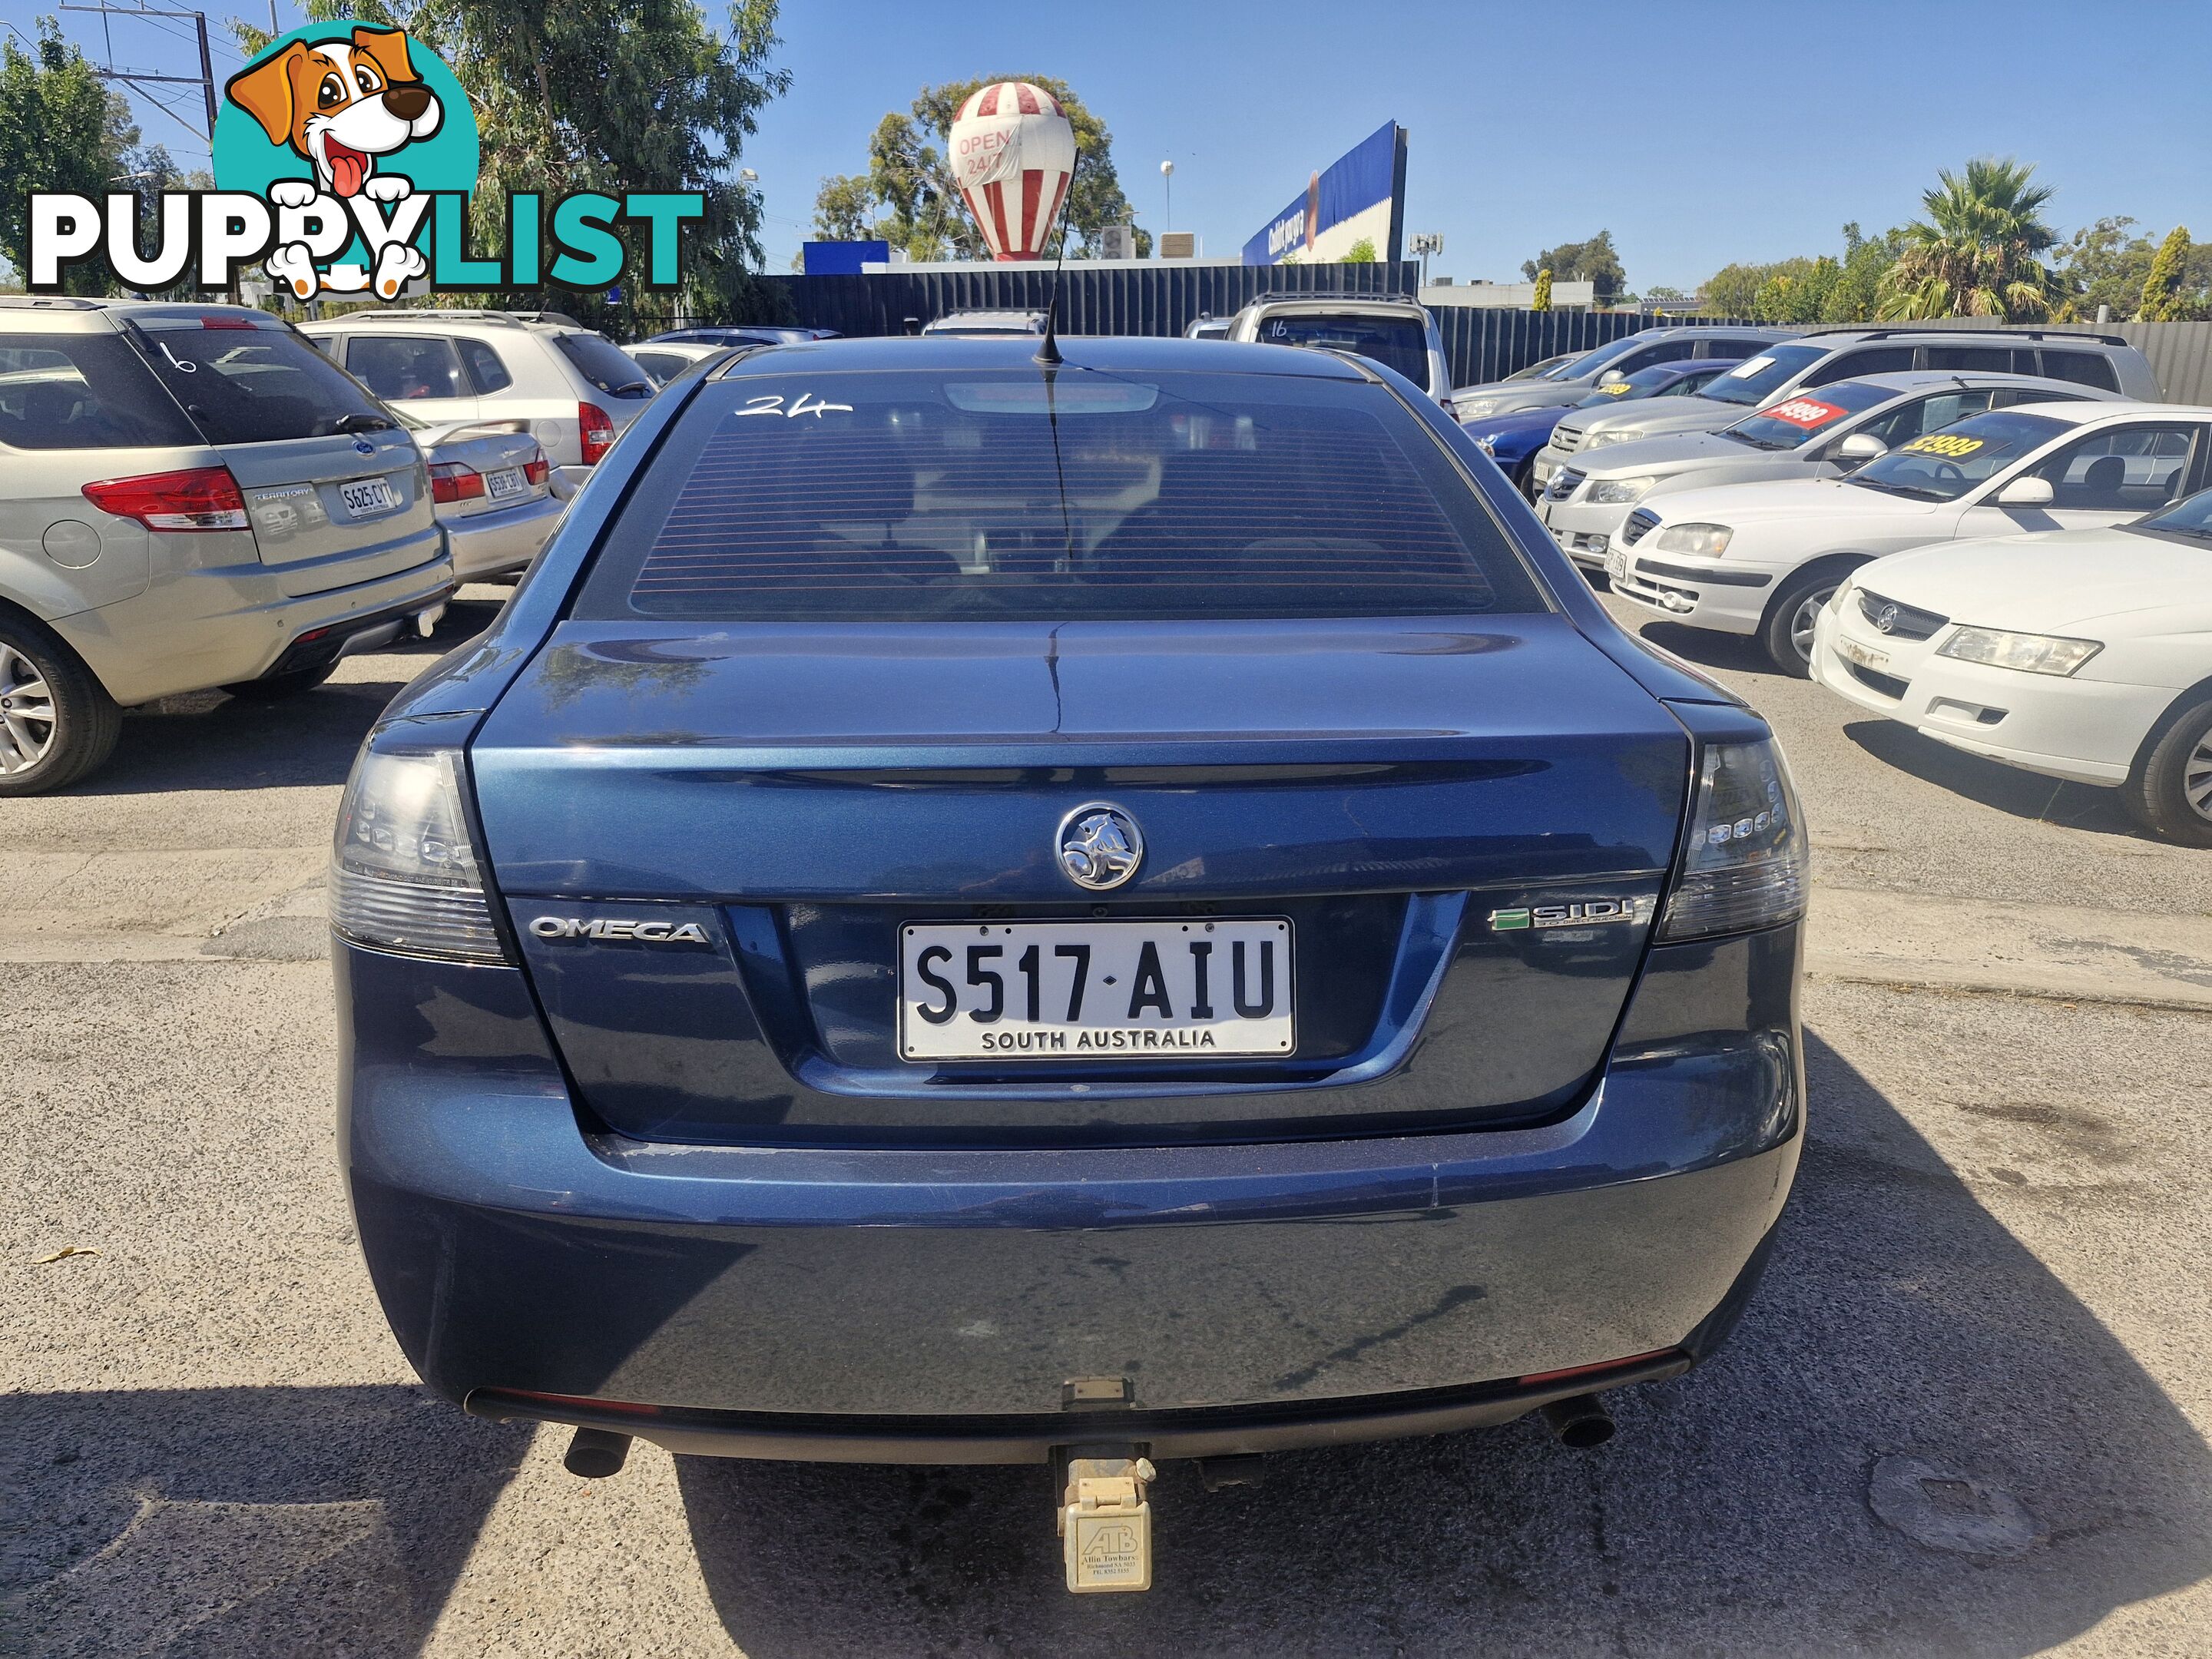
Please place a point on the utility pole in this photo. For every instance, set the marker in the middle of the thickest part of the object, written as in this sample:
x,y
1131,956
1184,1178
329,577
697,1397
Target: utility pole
x,y
204,79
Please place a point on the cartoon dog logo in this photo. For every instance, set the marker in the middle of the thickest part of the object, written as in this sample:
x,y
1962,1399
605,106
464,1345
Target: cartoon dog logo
x,y
342,104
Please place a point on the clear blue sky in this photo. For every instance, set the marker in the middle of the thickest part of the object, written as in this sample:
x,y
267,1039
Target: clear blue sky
x,y
1699,134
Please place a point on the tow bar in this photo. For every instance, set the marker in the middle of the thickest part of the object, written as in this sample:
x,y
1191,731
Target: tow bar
x,y
1105,1521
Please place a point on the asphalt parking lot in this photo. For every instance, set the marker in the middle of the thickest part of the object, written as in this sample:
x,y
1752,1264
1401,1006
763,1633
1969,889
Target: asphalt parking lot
x,y
1966,1415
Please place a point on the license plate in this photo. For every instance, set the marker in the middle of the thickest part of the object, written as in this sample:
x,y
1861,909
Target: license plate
x,y
1543,506
506,482
1616,564
1095,990
370,496
1864,656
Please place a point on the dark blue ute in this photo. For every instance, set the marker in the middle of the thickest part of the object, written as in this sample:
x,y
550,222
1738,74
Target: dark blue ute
x,y
964,892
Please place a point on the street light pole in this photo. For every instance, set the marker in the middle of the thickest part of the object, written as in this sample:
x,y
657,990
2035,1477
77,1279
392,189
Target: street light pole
x,y
1167,177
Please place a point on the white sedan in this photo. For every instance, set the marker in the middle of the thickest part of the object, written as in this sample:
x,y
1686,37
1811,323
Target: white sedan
x,y
2084,654
1761,559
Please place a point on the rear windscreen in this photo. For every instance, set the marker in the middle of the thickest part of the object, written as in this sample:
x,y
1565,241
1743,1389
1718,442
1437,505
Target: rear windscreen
x,y
1399,343
610,368
83,392
1077,495
253,384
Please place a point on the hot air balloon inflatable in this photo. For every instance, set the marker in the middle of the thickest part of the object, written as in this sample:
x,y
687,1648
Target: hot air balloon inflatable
x,y
1014,154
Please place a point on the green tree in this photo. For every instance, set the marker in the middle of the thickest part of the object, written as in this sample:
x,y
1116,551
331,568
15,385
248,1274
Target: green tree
x,y
1541,299
1733,290
608,95
1594,262
61,129
1361,252
845,210
1807,290
2162,299
1978,253
2103,265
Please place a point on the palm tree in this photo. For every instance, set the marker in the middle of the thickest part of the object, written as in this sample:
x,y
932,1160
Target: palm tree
x,y
1975,255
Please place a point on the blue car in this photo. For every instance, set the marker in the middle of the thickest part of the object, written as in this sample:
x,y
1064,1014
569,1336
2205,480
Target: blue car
x,y
1512,440
975,907
745,334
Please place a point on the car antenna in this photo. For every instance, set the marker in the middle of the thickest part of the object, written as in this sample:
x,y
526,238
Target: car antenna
x,y
1048,351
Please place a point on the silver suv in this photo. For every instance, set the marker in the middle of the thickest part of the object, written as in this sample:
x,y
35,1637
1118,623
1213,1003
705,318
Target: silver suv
x,y
571,390
190,497
1558,384
1397,333
1824,357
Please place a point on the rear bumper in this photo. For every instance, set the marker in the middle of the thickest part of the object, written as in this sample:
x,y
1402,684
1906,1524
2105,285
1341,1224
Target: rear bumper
x,y
197,629
1030,1439
842,1303
505,539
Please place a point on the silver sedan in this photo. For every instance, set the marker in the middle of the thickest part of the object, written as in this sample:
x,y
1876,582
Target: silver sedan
x,y
490,487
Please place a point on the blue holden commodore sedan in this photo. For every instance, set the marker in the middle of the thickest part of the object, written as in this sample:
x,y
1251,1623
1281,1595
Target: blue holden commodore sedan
x,y
975,904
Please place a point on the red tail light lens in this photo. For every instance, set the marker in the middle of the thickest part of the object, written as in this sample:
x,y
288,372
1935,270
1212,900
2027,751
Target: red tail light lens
x,y
203,498
598,430
452,481
537,471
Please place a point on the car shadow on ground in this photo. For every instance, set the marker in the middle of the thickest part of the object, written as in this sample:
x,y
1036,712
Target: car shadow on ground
x,y
211,740
2007,789
1738,652
1732,1514
221,1523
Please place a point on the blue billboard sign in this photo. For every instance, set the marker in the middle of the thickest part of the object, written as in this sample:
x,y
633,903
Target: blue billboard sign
x,y
842,259
1359,196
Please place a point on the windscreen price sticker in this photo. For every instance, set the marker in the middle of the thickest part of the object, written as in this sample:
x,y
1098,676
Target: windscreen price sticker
x,y
1943,443
1808,412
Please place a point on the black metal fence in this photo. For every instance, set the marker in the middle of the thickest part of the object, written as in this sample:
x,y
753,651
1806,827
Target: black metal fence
x,y
1480,344
1101,300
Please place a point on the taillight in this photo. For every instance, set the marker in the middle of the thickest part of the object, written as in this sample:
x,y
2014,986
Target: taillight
x,y
403,876
597,428
1747,864
535,471
452,481
203,498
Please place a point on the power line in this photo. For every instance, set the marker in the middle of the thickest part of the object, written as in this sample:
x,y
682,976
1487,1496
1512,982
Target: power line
x,y
138,80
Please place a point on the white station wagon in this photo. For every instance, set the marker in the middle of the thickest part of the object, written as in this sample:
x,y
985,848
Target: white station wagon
x,y
1761,559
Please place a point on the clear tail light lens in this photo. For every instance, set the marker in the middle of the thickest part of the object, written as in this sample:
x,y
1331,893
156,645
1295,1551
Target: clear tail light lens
x,y
452,481
403,876
201,498
597,428
1747,866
